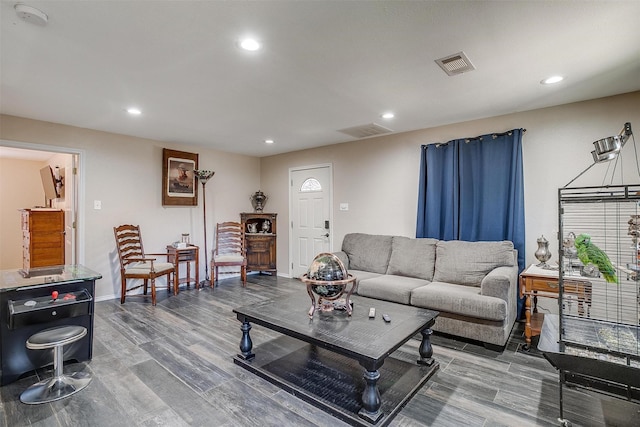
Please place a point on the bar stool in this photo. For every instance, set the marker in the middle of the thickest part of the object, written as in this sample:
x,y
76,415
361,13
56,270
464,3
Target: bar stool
x,y
61,385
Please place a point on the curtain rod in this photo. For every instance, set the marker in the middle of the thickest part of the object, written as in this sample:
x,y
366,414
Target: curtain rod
x,y
493,135
479,138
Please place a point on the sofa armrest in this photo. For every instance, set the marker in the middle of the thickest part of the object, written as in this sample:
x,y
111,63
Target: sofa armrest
x,y
343,257
501,282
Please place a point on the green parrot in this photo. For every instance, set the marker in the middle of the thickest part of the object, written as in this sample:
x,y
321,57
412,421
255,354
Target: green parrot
x,y
590,253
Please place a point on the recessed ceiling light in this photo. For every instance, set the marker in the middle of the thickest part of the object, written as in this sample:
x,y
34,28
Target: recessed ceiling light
x,y
551,80
249,44
387,115
134,111
269,141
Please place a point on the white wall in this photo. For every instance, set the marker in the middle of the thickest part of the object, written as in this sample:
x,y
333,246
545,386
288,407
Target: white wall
x,y
378,177
125,174
20,187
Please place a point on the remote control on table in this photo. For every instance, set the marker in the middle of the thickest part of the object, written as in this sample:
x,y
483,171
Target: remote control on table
x,y
386,318
372,313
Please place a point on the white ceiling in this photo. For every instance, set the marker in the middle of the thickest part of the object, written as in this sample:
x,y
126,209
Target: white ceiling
x,y
324,66
25,154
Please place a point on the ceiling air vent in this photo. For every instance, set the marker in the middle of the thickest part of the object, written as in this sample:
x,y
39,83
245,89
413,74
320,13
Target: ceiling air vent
x,y
365,131
457,63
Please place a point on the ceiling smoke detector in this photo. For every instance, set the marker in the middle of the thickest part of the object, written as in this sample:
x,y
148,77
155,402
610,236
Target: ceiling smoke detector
x,y
455,64
31,14
366,131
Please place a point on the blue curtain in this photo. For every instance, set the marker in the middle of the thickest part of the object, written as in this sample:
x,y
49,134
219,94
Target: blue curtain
x,y
439,191
472,189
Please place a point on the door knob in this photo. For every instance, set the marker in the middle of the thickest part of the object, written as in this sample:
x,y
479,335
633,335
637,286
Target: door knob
x,y
325,235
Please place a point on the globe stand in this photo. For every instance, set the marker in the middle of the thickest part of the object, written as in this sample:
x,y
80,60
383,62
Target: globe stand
x,y
329,291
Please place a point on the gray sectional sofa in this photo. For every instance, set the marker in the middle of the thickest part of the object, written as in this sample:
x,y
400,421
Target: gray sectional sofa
x,y
472,284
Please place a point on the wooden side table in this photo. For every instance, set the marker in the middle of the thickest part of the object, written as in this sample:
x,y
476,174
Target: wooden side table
x,y
188,255
535,282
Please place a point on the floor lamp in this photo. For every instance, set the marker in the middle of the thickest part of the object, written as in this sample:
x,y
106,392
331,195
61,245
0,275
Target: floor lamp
x,y
203,176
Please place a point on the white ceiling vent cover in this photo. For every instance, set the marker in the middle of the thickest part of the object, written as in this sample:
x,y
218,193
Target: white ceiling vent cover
x,y
455,64
365,131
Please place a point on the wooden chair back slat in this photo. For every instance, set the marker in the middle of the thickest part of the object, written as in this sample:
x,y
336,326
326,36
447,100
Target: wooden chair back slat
x,y
230,240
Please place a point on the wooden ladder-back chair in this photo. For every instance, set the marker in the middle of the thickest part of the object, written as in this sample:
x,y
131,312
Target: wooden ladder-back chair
x,y
230,250
135,264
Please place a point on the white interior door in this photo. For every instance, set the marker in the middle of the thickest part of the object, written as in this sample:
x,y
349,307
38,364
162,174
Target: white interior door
x,y
310,201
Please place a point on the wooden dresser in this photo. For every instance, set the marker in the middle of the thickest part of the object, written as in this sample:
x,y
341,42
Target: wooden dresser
x,y
42,238
260,241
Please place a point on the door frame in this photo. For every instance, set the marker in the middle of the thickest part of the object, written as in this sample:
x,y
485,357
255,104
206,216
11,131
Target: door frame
x,y
330,196
78,189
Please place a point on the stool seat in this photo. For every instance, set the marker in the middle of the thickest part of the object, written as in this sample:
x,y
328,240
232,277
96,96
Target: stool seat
x,y
52,337
61,385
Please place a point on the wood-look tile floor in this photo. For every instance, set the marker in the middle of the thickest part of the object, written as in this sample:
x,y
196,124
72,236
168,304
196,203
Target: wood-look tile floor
x,y
171,365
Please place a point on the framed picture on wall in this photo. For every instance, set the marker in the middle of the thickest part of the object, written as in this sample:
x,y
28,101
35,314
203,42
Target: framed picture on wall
x,y
179,187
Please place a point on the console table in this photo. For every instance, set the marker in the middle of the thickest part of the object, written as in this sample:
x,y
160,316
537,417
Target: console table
x,y
540,282
188,255
27,306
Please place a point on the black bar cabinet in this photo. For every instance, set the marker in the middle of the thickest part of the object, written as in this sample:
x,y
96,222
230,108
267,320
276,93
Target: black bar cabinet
x,y
38,299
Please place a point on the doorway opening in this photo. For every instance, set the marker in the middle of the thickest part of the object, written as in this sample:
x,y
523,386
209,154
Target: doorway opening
x,y
21,187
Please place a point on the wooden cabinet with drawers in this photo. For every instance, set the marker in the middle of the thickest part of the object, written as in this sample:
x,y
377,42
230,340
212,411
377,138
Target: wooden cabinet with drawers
x,y
260,238
42,238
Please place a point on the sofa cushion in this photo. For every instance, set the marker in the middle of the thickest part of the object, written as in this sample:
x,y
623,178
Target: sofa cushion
x,y
367,252
459,299
412,257
466,263
344,258
390,288
362,275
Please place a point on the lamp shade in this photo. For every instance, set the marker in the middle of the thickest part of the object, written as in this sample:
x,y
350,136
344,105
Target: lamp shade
x,y
203,175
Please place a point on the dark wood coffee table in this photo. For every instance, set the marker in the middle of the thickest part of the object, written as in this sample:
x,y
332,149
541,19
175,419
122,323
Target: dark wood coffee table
x,y
317,359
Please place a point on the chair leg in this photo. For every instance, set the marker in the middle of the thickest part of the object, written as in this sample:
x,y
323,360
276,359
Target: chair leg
x,y
176,281
153,291
243,274
123,290
145,286
214,273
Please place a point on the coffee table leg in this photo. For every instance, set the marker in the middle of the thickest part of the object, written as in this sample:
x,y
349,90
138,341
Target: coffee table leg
x,y
425,350
371,398
245,342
